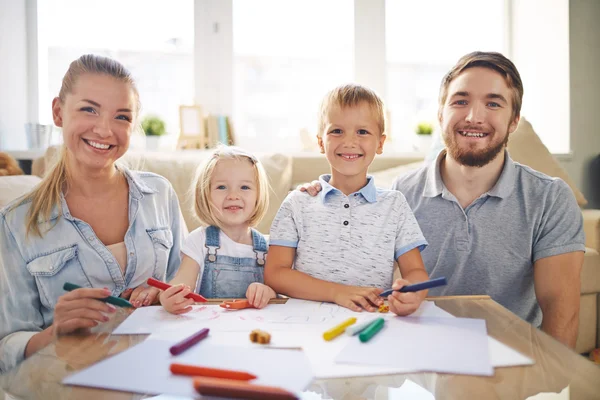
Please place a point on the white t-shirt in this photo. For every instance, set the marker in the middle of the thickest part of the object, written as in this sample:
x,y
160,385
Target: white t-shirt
x,y
194,247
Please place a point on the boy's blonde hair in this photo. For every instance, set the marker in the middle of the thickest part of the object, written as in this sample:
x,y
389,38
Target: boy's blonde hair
x,y
46,195
351,95
204,208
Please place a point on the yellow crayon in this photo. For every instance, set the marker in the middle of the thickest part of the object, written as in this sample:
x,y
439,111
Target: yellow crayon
x,y
338,330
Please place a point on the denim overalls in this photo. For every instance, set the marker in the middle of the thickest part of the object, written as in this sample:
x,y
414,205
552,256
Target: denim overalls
x,y
229,277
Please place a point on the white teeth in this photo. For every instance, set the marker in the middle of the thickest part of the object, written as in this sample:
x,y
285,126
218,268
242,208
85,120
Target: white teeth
x,y
98,145
472,134
350,156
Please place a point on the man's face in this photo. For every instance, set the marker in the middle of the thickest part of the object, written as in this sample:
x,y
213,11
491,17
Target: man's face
x,y
477,116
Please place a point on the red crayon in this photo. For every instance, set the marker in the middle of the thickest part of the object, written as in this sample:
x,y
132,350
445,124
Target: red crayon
x,y
164,286
186,343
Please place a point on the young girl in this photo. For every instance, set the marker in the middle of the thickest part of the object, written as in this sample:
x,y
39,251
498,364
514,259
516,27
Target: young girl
x,y
226,257
340,246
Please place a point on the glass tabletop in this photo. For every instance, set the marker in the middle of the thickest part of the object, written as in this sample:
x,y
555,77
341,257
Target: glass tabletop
x,y
557,369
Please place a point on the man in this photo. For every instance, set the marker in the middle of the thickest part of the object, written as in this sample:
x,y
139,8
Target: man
x,y
494,226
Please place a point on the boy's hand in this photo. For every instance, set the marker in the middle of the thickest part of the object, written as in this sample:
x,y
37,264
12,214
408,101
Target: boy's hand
x,y
357,298
143,296
403,303
312,188
258,295
174,301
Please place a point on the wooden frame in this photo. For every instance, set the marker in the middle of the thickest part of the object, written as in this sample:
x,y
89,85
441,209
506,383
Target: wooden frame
x,y
192,133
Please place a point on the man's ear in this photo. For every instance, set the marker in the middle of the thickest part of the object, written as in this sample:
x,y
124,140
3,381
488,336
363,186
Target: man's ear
x,y
321,145
57,112
514,124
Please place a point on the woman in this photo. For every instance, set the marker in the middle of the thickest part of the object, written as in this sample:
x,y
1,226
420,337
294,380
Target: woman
x,y
89,222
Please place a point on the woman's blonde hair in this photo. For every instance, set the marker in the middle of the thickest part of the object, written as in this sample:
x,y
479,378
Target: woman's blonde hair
x,y
203,207
46,196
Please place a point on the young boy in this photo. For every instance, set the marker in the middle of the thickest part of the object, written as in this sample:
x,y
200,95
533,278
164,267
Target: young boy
x,y
342,243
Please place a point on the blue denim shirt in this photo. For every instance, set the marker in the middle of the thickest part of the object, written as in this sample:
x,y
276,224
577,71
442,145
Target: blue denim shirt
x,y
33,270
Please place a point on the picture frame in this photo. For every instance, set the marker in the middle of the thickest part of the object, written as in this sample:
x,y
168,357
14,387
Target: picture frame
x,y
192,133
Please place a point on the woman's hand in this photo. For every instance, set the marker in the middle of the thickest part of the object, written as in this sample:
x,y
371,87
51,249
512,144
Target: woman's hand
x,y
357,298
81,309
258,294
403,303
144,296
174,301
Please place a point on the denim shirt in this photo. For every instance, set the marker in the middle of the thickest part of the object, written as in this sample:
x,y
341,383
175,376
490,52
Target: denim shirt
x,y
33,270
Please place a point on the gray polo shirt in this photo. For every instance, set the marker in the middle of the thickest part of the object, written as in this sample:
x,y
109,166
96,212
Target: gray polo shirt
x,y
490,247
352,240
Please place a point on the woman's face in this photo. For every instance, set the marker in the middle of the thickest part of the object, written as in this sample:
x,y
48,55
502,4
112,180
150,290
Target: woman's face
x,y
97,119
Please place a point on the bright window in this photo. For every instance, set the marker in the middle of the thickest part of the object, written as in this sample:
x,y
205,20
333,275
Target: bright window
x,y
287,55
424,39
152,38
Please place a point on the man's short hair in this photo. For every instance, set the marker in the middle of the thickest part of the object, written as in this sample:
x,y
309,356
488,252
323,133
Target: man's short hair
x,y
493,61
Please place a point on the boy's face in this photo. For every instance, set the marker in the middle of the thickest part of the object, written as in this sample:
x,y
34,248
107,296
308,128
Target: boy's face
x,y
351,139
477,116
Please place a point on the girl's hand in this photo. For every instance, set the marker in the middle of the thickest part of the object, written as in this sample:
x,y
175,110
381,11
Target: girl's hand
x,y
258,295
81,309
144,296
403,303
357,298
174,301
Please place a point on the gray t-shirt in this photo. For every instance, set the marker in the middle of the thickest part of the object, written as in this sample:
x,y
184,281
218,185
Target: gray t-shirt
x,y
352,240
490,247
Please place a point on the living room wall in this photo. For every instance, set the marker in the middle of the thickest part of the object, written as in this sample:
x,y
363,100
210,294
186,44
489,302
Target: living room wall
x,y
584,32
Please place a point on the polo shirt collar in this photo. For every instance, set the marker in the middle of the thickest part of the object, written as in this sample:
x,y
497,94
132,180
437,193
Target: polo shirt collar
x,y
368,192
434,186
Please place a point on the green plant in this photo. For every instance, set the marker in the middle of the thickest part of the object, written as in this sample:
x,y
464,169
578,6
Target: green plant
x,y
424,128
153,126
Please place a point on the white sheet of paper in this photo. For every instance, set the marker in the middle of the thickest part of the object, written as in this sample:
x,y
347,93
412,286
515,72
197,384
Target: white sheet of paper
x,y
409,390
447,345
144,368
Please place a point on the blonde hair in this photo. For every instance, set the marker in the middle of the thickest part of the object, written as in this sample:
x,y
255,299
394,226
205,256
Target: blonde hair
x,y
490,60
203,207
351,95
46,196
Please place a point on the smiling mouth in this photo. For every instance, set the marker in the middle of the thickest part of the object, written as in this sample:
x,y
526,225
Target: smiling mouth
x,y
473,134
98,146
233,208
350,157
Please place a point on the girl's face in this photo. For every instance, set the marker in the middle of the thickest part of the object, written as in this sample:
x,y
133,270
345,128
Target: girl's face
x,y
97,119
234,191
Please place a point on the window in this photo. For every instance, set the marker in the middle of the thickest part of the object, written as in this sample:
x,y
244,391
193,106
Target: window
x,y
152,38
287,55
424,40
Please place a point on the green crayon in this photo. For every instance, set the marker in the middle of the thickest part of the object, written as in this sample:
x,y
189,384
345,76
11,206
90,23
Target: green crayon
x,y
116,301
371,330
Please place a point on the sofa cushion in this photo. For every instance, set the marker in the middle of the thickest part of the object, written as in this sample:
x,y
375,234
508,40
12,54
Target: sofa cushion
x,y
15,186
525,147
180,169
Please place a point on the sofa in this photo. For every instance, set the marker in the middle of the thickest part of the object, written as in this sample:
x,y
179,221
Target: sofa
x,y
286,171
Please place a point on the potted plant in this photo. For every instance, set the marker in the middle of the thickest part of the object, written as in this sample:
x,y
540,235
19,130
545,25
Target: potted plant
x,y
154,128
424,134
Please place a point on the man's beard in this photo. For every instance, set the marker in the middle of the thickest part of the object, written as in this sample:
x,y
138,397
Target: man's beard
x,y
469,157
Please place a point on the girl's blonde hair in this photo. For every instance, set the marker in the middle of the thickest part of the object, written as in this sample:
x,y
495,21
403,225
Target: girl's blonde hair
x,y
203,207
46,195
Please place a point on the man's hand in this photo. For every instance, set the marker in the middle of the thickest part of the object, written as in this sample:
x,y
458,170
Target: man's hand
x,y
403,303
358,298
312,188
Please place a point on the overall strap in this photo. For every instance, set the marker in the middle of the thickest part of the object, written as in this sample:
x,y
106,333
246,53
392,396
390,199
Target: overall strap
x,y
259,245
212,243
